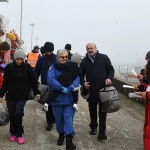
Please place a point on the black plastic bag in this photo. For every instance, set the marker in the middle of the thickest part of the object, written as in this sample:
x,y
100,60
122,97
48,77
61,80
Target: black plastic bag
x,y
4,116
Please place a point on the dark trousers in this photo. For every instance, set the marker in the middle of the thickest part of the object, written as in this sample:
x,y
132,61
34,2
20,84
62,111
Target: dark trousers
x,y
16,112
93,117
49,115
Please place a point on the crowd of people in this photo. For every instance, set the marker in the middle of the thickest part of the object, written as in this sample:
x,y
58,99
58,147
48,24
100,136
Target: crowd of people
x,y
63,72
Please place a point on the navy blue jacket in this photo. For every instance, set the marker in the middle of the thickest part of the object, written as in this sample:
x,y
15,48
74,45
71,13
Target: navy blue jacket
x,y
42,66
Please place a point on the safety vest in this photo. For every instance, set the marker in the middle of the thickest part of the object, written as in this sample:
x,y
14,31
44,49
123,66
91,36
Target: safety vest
x,y
32,59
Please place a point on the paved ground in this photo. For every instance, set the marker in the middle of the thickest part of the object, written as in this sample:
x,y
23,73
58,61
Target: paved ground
x,y
124,129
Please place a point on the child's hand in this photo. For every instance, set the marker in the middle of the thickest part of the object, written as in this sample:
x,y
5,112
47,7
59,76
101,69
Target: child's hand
x,y
75,106
38,97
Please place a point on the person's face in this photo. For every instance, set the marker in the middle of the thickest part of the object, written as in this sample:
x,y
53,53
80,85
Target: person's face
x,y
2,52
63,58
91,49
48,53
147,59
19,61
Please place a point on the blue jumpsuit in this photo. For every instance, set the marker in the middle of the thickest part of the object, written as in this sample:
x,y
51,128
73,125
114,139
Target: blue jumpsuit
x,y
63,105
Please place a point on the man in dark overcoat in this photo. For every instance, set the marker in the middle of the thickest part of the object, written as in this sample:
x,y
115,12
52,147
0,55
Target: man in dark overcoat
x,y
97,72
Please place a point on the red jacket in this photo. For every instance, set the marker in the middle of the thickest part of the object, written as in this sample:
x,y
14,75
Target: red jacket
x,y
1,70
146,135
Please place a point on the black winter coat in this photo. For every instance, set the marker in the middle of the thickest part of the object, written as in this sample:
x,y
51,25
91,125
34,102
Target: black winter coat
x,y
17,79
96,73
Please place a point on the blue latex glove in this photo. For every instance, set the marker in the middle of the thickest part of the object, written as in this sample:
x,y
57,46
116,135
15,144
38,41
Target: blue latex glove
x,y
65,90
70,88
3,65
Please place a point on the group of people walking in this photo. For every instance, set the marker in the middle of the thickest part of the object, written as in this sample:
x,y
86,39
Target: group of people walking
x,y
63,73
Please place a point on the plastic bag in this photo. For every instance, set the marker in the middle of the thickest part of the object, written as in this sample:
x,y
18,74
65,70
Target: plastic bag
x,y
4,116
109,99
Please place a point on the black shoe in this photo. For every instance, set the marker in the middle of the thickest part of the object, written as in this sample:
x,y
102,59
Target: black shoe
x,y
102,137
93,131
49,127
60,140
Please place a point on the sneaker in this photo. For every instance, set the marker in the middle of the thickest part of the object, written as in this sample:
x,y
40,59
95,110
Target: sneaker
x,y
102,137
12,138
21,140
93,131
49,127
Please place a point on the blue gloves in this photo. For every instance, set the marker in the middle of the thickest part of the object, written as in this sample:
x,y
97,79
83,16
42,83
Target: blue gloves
x,y
65,90
2,66
70,88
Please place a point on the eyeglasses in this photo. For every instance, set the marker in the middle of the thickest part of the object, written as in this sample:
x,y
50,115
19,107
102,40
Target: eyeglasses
x,y
63,57
19,59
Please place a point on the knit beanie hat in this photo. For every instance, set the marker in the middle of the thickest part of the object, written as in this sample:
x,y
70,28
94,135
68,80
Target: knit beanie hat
x,y
147,55
76,58
42,50
19,54
36,48
68,46
49,47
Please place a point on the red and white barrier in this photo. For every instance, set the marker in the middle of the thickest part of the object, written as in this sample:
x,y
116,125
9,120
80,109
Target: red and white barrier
x,y
130,76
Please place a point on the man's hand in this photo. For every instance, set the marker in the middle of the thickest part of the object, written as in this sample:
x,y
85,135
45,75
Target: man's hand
x,y
108,82
143,95
87,85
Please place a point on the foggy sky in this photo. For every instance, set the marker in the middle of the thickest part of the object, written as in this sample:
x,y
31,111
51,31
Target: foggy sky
x,y
120,28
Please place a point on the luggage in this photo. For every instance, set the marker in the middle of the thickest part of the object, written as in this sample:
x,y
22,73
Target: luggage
x,y
109,99
45,90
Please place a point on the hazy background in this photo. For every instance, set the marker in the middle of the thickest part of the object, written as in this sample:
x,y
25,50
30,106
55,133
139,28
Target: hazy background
x,y
120,28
